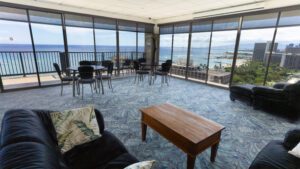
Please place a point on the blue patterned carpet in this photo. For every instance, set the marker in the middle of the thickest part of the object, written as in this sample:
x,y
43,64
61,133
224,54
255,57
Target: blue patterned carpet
x,y
247,131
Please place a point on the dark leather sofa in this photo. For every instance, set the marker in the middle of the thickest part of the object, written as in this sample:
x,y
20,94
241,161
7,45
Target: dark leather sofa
x,y
275,154
242,92
28,140
282,98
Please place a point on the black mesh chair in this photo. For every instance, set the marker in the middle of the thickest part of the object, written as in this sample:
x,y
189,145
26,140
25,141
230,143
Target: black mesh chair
x,y
86,76
127,66
95,63
139,74
63,78
142,60
163,72
110,68
85,63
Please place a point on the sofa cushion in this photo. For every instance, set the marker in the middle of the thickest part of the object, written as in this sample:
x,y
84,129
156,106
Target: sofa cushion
x,y
275,156
245,89
95,154
24,126
28,155
121,161
74,127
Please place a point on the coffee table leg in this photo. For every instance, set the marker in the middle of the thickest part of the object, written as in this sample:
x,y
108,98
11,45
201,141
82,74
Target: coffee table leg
x,y
190,162
214,150
144,131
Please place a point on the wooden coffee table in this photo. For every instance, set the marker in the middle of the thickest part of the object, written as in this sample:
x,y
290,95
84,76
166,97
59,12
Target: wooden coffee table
x,y
188,131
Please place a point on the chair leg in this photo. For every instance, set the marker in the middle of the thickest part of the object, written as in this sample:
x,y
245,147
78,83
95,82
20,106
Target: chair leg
x,y
135,78
98,84
82,90
95,85
61,88
92,89
111,85
153,79
78,88
167,80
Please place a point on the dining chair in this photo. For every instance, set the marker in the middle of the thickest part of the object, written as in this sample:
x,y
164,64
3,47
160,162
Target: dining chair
x,y
139,74
110,68
86,76
163,72
127,66
85,63
63,78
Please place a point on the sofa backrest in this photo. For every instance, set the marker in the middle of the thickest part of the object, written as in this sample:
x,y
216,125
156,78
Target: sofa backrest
x,y
292,87
25,142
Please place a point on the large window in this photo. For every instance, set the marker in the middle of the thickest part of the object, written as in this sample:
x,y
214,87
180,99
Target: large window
x,y
127,45
127,41
285,60
221,57
213,46
222,50
200,43
254,48
252,56
106,39
48,40
180,48
165,48
106,44
53,34
17,62
80,38
141,42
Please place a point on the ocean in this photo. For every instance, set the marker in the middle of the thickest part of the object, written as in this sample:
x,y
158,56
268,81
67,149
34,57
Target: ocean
x,y
11,63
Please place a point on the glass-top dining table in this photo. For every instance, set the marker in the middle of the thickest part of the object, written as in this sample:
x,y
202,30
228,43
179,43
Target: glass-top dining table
x,y
97,68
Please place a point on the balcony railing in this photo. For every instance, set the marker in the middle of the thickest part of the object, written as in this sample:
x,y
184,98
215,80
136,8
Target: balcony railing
x,y
23,62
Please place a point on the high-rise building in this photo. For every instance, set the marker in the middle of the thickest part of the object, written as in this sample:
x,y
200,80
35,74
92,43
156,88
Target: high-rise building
x,y
291,57
262,51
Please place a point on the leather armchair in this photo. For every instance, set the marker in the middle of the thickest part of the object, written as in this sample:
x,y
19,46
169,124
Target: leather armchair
x,y
275,154
281,98
28,140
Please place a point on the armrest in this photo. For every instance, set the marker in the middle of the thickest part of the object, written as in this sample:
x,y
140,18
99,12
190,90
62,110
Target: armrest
x,y
266,90
100,120
280,85
292,138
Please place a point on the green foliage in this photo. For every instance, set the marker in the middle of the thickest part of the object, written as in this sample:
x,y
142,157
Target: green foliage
x,y
253,72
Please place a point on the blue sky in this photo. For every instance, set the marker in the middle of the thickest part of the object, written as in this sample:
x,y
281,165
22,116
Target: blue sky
x,y
18,33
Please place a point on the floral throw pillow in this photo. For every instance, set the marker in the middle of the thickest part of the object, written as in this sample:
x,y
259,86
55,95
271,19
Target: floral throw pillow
x,y
74,127
141,165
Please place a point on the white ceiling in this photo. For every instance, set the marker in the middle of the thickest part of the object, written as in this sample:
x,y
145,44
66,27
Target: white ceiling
x,y
155,9
160,11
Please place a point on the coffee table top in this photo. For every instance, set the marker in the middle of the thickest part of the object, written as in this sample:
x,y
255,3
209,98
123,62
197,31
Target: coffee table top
x,y
191,126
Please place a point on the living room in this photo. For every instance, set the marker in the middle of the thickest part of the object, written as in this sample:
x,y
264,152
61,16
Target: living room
x,y
150,84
